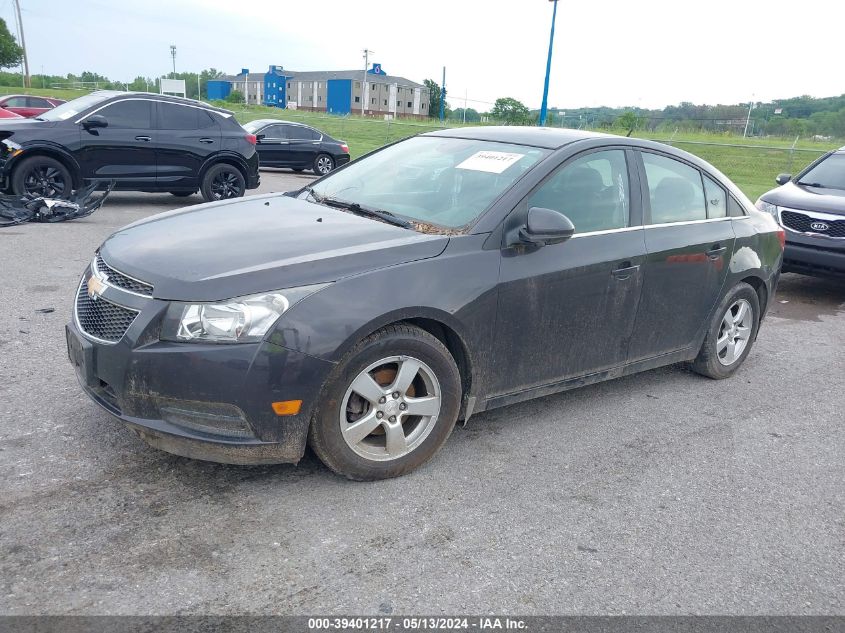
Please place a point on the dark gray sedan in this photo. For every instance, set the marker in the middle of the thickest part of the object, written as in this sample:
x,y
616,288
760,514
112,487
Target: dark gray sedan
x,y
448,274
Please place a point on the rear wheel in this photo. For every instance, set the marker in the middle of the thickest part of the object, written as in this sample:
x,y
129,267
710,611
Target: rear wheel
x,y
42,176
731,335
389,405
323,164
223,182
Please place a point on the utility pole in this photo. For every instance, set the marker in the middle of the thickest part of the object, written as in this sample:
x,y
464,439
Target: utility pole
x,y
173,55
750,106
465,105
544,106
443,97
364,80
26,81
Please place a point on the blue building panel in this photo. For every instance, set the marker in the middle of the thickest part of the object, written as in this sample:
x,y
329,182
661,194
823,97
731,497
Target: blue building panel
x,y
274,87
339,96
218,89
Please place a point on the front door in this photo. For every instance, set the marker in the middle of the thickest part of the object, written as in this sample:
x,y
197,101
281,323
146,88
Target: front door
x,y
690,242
273,147
124,151
567,310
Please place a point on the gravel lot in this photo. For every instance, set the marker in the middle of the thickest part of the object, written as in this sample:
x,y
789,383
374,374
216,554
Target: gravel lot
x,y
662,493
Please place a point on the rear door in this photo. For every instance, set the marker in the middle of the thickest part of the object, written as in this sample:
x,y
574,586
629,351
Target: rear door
x,y
273,148
124,151
304,145
186,137
690,242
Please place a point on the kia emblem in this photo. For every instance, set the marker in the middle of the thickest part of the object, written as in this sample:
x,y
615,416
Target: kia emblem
x,y
819,226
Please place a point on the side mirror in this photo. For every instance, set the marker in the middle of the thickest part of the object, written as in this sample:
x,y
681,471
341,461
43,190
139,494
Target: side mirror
x,y
260,137
546,226
782,179
94,121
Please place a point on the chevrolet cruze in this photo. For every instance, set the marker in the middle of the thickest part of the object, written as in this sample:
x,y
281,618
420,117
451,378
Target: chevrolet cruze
x,y
441,276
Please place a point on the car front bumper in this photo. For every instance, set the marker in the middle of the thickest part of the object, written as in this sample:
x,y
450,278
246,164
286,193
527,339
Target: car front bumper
x,y
812,259
210,402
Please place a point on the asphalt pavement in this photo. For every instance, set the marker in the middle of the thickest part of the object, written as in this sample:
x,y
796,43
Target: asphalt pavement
x,y
661,493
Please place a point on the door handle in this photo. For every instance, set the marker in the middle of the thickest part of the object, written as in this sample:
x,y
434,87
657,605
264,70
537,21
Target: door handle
x,y
206,140
143,138
625,270
716,251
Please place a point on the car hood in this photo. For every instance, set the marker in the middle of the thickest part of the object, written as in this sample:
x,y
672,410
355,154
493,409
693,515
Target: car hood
x,y
807,198
227,249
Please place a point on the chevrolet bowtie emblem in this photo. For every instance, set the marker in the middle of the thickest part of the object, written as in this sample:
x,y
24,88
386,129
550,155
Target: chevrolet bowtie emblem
x,y
95,288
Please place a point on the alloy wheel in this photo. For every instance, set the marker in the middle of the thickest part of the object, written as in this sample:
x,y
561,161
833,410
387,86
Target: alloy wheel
x,y
734,332
225,185
390,408
324,164
45,181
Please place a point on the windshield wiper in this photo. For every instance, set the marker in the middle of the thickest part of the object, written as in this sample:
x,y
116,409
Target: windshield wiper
x,y
811,184
356,208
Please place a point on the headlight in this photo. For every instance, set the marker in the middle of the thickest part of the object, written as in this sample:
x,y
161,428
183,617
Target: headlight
x,y
767,207
240,320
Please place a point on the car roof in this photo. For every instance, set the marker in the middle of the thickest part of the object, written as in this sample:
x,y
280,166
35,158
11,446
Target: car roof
x,y
275,121
111,94
548,138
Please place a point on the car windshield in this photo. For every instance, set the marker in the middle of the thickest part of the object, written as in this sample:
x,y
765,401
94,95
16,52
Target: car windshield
x,y
72,108
830,173
431,180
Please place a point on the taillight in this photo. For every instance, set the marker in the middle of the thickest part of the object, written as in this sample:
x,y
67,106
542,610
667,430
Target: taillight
x,y
252,139
344,147
782,238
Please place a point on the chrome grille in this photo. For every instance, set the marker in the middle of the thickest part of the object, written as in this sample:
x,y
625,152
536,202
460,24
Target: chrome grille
x,y
101,319
118,279
803,223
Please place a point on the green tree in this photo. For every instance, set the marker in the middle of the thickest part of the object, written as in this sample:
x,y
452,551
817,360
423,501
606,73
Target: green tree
x,y
236,96
472,115
509,110
434,99
628,121
10,52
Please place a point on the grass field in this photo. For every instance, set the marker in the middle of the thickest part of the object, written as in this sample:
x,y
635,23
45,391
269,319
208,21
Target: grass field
x,y
752,163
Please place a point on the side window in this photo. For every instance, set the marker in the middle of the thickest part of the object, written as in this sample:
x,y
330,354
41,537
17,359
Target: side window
x,y
675,190
275,132
133,114
16,102
735,209
177,117
206,119
717,203
592,191
36,102
302,133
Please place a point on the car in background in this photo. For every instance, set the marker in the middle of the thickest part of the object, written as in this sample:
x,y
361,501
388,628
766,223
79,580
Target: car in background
x,y
811,207
367,312
298,146
5,114
29,106
141,141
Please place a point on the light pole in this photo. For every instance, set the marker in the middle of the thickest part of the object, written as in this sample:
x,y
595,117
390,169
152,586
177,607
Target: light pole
x,y
364,80
748,118
173,55
544,107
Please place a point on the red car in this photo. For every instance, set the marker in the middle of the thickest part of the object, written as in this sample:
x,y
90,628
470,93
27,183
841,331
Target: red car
x,y
28,105
5,114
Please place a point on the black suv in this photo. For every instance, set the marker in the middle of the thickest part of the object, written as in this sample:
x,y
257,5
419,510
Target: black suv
x,y
811,207
143,142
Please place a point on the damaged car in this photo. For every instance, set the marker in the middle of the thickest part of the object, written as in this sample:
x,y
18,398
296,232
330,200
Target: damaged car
x,y
447,274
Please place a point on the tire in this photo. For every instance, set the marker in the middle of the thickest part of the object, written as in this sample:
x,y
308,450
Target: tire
x,y
398,442
323,164
182,194
223,182
730,336
42,176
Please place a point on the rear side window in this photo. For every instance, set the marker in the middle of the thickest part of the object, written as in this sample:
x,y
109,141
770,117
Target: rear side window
x,y
735,209
716,199
37,102
592,191
675,190
133,114
177,117
302,133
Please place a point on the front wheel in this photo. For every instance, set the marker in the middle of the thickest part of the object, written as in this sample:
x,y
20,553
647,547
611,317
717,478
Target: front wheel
x,y
732,332
389,405
43,177
223,182
323,164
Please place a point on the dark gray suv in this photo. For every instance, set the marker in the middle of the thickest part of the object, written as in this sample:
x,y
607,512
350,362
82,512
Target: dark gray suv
x,y
811,207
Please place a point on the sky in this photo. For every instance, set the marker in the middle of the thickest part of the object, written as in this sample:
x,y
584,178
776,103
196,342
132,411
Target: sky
x,y
609,52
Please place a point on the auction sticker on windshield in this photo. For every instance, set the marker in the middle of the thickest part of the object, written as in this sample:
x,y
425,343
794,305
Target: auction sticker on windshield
x,y
492,162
